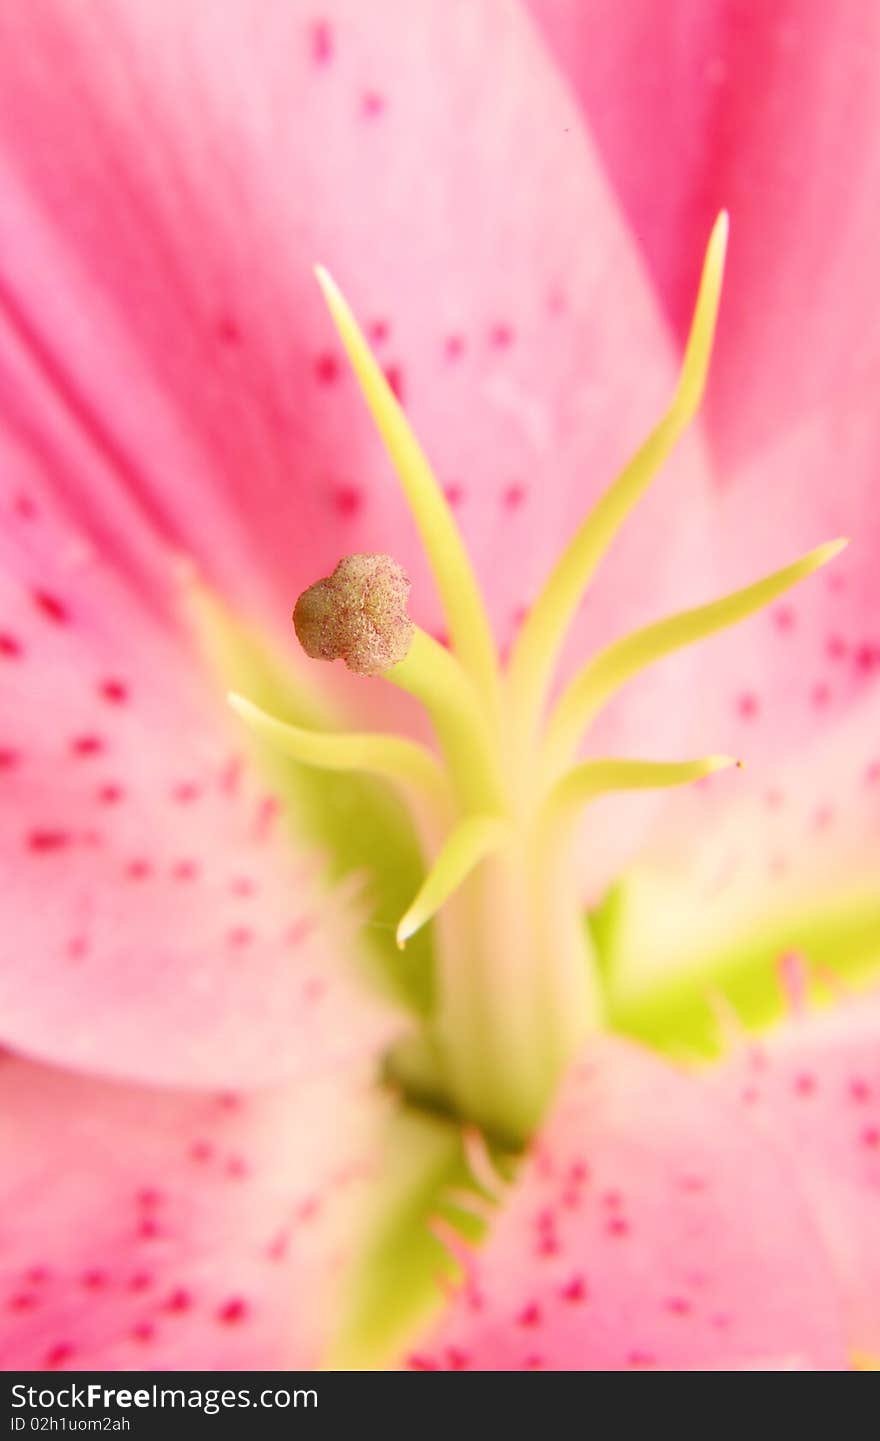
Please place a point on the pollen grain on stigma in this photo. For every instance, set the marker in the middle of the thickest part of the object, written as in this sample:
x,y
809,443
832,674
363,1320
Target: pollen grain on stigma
x,y
517,986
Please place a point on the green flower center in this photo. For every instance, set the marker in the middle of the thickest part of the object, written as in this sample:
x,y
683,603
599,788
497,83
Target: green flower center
x,y
516,988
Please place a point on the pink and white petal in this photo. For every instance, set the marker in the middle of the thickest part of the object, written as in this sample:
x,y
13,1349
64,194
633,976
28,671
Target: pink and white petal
x,y
773,111
757,851
207,368
771,686
649,1228
157,925
814,1086
146,1229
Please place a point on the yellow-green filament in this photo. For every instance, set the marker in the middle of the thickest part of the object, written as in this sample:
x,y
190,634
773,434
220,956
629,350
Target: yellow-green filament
x,y
409,765
586,782
459,592
436,678
469,844
615,665
544,629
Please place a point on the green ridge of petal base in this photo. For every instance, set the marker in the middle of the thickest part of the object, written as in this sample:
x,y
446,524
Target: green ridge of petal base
x,y
679,1012
339,814
396,1285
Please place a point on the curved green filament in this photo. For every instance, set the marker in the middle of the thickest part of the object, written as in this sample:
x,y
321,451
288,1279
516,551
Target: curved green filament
x,y
543,632
437,679
470,843
587,782
462,600
621,660
410,765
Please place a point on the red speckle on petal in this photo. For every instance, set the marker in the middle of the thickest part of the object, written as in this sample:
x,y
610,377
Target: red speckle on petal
x,y
24,1301
232,1311
618,1227
57,1355
8,759
870,1138
43,842
453,347
9,646
51,607
179,1300
456,1359
89,745
228,332
326,369
372,105
747,705
185,793
321,42
184,870
114,691
805,1084
500,337
835,647
24,507
379,331
513,497
143,1331
574,1290
859,1090
783,618
820,695
530,1315
678,1306
394,376
347,501
110,795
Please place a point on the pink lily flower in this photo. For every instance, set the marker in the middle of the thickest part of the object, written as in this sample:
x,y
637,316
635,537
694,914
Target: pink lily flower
x,y
240,1127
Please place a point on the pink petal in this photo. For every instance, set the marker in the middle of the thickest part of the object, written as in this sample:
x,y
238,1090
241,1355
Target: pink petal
x,y
815,1087
774,112
154,1230
650,1228
165,289
156,923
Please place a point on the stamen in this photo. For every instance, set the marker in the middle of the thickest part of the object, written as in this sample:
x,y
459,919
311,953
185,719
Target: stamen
x,y
612,667
460,594
587,782
543,633
410,765
470,843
